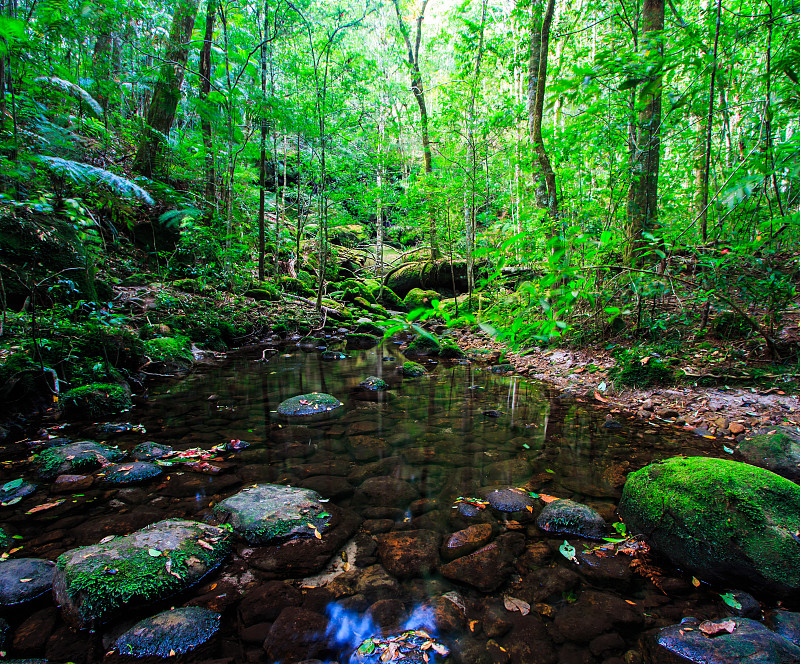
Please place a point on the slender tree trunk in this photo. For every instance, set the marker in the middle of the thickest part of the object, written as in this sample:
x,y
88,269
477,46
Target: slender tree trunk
x,y
709,128
101,64
643,191
379,202
419,95
167,92
210,175
262,171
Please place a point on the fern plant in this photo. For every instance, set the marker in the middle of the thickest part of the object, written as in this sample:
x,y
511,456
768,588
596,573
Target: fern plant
x,y
74,90
80,173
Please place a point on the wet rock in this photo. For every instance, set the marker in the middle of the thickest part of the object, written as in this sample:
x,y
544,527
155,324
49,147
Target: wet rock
x,y
265,603
487,568
387,613
377,526
94,582
67,645
333,356
311,407
328,486
566,517
604,570
32,634
785,624
150,451
495,620
510,500
386,492
776,449
14,491
93,530
750,641
750,607
548,583
169,634
529,642
409,554
71,483
449,613
122,474
24,579
512,471
367,448
466,541
74,458
268,512
298,635
724,521
593,614
374,384
303,556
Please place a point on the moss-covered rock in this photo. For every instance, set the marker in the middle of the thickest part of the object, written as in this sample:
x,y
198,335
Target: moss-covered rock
x,y
424,344
361,341
374,384
169,354
374,309
417,298
724,521
268,512
75,457
194,286
450,350
262,294
150,451
294,286
412,369
93,583
776,449
631,369
95,401
428,274
387,297
310,407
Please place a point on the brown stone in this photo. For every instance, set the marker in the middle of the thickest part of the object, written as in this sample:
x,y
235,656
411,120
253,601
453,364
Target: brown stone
x,y
409,554
736,428
71,483
466,541
265,603
295,637
31,636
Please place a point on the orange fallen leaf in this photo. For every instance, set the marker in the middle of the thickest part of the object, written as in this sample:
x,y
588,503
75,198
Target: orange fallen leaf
x,y
45,506
631,602
547,499
599,397
710,628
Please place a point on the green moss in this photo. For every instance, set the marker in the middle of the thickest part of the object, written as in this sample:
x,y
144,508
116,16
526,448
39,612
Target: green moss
x,y
450,350
262,294
375,309
295,286
193,286
413,369
419,298
641,371
95,400
425,345
168,349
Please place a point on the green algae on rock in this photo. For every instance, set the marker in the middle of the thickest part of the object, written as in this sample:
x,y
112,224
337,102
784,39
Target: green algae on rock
x,y
92,583
80,456
95,401
723,521
169,634
268,512
412,369
309,407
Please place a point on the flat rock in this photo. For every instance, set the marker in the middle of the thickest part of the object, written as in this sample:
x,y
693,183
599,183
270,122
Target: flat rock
x,y
386,492
75,458
169,634
409,553
94,582
134,472
311,407
71,483
749,642
487,568
774,448
24,579
566,517
723,521
466,541
510,500
268,512
150,451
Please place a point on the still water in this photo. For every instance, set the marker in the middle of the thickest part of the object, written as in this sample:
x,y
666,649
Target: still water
x,y
455,433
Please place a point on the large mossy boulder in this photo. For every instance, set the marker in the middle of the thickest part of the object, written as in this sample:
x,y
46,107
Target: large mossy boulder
x,y
724,521
417,298
268,512
426,275
776,449
93,583
310,407
95,401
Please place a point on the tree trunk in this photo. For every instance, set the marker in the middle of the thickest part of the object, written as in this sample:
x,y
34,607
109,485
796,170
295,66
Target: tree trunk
x,y
419,95
167,93
210,186
262,171
643,191
101,62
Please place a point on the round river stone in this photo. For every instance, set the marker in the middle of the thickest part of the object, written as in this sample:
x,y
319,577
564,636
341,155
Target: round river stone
x,y
24,579
566,517
310,407
170,633
268,512
150,451
509,500
129,473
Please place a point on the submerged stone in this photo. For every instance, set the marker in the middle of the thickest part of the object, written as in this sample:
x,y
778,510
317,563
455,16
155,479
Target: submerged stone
x,y
94,582
722,520
268,512
310,407
129,473
412,369
776,449
14,491
750,642
509,500
566,517
24,579
150,451
75,458
169,634
374,384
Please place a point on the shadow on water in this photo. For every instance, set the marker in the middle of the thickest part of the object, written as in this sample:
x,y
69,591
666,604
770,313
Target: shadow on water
x,y
392,467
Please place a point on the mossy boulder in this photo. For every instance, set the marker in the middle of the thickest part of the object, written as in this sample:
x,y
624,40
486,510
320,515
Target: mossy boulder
x,y
428,274
24,579
424,344
412,369
374,384
133,472
194,286
310,407
169,634
387,297
94,583
168,354
75,457
358,341
724,521
262,294
294,286
374,309
268,512
631,369
418,298
95,401
776,449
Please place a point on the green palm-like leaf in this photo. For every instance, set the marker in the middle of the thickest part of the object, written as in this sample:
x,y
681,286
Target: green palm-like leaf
x,y
87,174
75,90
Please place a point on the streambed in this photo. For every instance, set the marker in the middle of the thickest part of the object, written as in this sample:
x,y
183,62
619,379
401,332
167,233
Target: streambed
x,y
393,471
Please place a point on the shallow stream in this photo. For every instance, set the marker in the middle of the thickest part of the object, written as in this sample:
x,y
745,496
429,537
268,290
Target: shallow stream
x,y
454,433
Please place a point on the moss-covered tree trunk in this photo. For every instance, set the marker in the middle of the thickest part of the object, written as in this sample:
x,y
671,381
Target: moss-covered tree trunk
x,y
167,93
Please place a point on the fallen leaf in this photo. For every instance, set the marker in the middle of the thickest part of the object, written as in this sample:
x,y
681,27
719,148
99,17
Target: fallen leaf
x,y
514,604
568,551
631,602
473,625
13,484
710,628
547,499
695,582
155,553
205,545
440,649
645,360
108,538
25,580
600,398
731,601
46,506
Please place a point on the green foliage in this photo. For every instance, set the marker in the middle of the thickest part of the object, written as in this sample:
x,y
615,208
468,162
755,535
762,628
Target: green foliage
x,y
413,369
88,175
633,368
168,349
95,401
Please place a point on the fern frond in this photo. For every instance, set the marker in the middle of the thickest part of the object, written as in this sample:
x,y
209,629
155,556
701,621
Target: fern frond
x,y
74,90
88,174
173,218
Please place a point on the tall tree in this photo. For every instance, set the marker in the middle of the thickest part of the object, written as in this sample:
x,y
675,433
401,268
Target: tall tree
x,y
167,93
642,212
419,95
210,179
